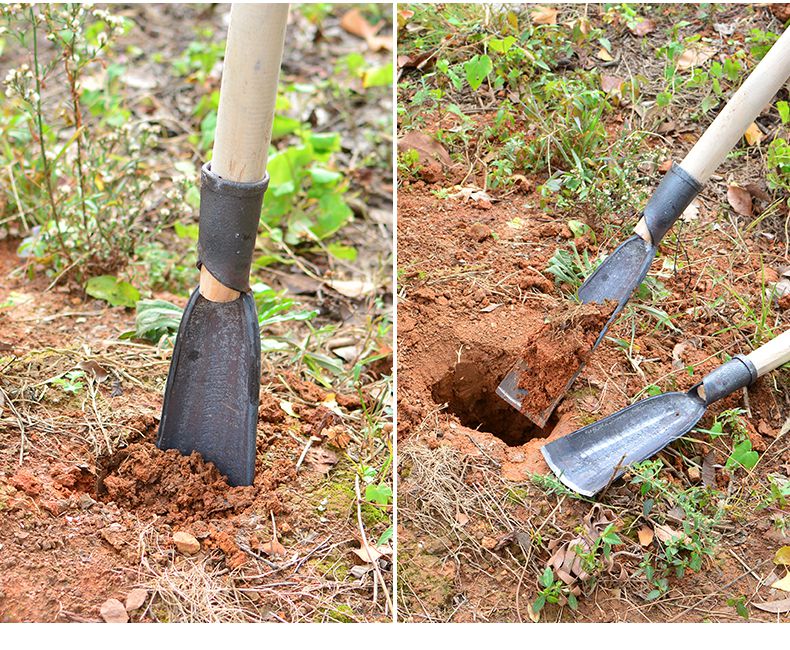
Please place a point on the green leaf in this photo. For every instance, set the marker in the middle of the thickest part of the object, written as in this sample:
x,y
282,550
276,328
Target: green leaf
x,y
386,536
347,253
156,318
118,293
547,578
376,77
501,45
742,455
784,111
324,176
186,230
381,493
477,69
540,601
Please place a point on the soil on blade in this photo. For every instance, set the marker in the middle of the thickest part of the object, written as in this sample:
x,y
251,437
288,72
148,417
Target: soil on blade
x,y
556,352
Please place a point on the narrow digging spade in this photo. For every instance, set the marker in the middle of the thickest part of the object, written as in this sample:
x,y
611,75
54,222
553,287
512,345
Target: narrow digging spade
x,y
587,460
211,398
623,271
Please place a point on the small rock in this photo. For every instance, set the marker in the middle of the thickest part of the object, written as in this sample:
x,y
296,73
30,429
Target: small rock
x,y
488,542
479,232
694,473
135,599
186,543
113,611
85,501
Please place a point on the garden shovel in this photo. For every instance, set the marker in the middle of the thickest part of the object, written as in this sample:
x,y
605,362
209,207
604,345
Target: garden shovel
x,y
211,398
623,271
588,460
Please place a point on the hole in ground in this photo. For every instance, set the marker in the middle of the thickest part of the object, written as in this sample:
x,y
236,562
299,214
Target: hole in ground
x,y
469,390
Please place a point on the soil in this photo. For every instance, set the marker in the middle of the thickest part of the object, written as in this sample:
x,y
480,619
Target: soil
x,y
556,352
479,515
89,505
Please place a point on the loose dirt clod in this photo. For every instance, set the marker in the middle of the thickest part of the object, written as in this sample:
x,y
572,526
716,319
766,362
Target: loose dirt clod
x,y
557,350
179,488
135,599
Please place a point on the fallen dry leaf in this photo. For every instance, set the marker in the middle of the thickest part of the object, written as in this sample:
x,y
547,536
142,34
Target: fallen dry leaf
x,y
544,15
709,469
372,553
355,23
352,288
426,147
774,606
611,84
321,460
782,556
694,57
645,536
273,547
753,134
783,584
604,55
667,534
92,367
462,519
740,200
643,27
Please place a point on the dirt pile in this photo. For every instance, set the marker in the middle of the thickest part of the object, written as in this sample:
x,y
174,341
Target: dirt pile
x,y
557,350
151,481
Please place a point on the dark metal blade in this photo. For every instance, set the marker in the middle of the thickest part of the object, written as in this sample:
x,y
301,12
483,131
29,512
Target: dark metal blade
x,y
615,279
587,460
211,398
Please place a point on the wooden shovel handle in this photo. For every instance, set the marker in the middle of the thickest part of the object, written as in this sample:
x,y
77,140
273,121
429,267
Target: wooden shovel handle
x,y
744,106
253,53
771,355
736,116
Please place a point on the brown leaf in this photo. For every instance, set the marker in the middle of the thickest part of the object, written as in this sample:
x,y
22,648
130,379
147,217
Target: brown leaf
x,y
667,534
694,57
611,84
783,556
92,367
419,60
544,15
355,23
462,519
740,200
426,147
321,460
273,548
604,55
753,134
645,535
643,27
372,553
774,606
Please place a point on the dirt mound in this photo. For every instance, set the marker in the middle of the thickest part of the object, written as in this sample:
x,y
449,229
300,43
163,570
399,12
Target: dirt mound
x,y
179,488
557,350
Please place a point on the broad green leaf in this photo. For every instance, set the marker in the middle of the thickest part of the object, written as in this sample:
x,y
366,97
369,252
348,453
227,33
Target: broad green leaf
x,y
380,493
477,69
347,253
742,455
156,318
112,290
501,45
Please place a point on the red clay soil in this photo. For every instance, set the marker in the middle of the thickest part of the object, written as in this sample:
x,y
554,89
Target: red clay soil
x,y
556,352
81,526
474,290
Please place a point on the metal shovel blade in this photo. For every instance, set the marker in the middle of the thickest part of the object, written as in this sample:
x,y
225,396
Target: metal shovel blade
x,y
211,399
587,460
615,279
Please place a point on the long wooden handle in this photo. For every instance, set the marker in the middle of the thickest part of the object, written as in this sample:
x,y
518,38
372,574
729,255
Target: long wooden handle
x,y
253,53
742,109
771,355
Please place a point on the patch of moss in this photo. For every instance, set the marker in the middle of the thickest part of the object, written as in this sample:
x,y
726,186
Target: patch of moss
x,y
341,614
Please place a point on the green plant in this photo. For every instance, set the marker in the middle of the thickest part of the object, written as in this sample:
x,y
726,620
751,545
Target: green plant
x,y
79,174
555,591
570,268
72,382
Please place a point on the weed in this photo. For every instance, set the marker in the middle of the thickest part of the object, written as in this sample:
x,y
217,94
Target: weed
x,y
570,268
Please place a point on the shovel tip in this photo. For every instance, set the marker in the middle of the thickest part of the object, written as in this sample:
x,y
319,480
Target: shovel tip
x,y
562,476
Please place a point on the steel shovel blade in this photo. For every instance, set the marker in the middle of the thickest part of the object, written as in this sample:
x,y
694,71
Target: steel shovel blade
x,y
587,460
211,399
615,279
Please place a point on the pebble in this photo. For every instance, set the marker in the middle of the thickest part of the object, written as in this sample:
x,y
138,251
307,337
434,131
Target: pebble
x,y
186,543
113,611
135,599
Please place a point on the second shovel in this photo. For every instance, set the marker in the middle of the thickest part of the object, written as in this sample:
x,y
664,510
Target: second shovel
x,y
623,271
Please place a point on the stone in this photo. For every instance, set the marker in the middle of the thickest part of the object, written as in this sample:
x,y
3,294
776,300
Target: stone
x,y
135,599
186,543
113,611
